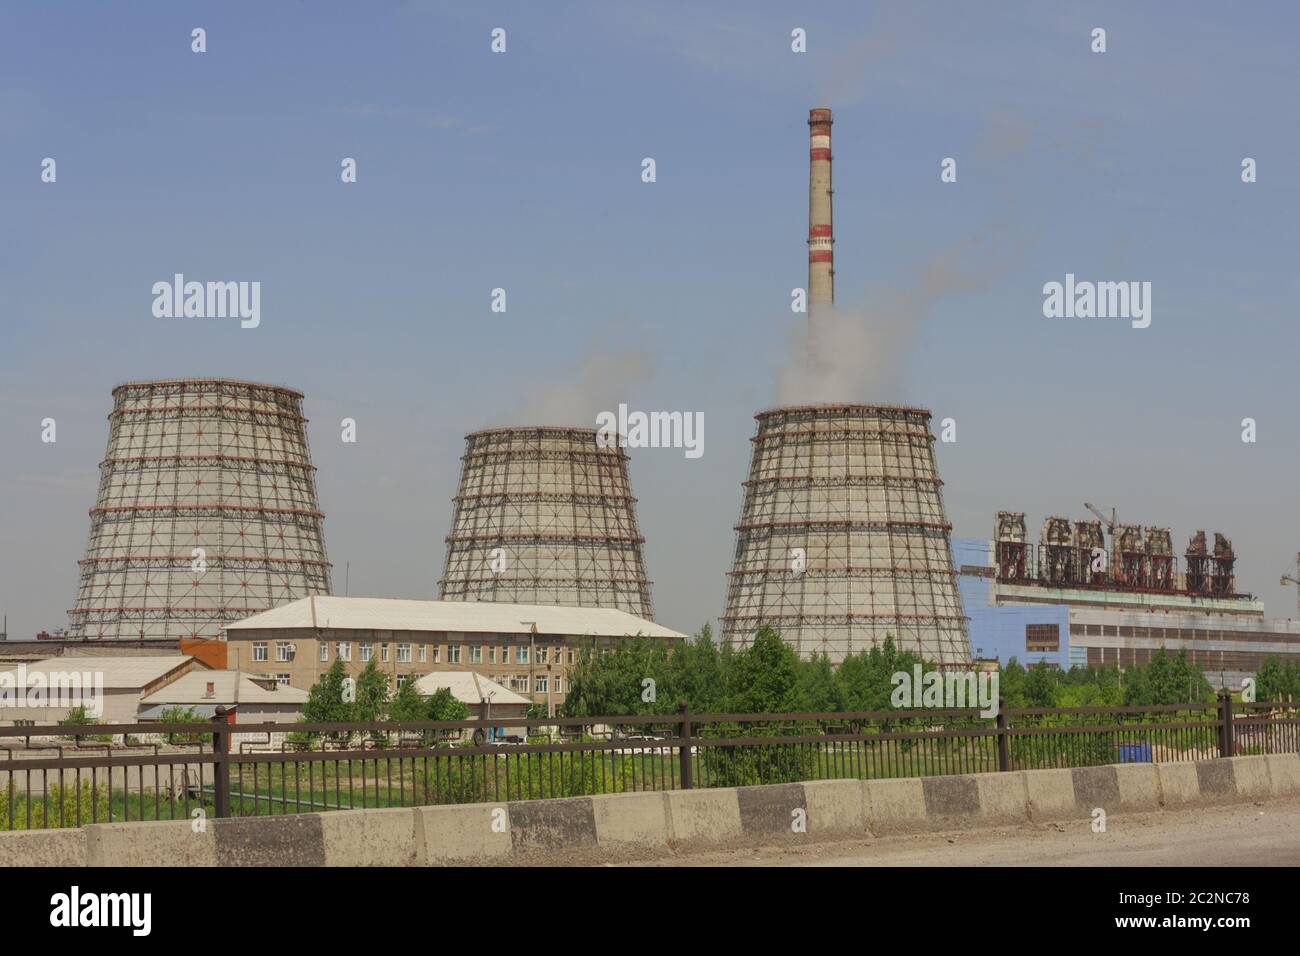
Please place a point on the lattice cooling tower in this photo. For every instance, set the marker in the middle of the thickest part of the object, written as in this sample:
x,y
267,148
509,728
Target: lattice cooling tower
x,y
209,464
545,515
855,490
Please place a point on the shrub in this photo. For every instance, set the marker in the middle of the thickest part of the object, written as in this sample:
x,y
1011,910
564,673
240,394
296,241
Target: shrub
x,y
45,811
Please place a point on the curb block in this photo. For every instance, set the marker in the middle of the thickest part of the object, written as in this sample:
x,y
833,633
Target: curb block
x,y
462,833
161,843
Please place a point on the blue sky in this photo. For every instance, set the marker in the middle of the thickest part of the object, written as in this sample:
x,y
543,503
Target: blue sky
x,y
522,171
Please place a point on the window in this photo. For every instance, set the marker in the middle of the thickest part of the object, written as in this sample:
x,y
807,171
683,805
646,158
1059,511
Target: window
x,y
283,651
571,656
541,655
519,682
259,650
476,654
453,654
367,651
402,678
345,651
324,653
383,653
282,680
1042,638
424,653
540,683
492,654
521,654
403,653
559,684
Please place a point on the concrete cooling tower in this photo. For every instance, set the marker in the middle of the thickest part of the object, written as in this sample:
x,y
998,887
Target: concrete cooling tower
x,y
842,539
545,515
206,511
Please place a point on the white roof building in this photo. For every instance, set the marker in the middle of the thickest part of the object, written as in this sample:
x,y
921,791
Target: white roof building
x,y
231,688
469,688
466,617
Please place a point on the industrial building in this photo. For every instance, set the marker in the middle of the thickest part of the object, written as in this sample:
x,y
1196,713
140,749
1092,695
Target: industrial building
x,y
527,648
842,539
118,684
1075,600
545,515
206,512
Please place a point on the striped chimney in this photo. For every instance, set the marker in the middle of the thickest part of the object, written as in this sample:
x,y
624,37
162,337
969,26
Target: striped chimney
x,y
821,240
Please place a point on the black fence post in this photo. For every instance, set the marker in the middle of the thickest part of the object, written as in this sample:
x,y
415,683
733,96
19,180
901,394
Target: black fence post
x,y
1004,747
1225,723
684,749
221,765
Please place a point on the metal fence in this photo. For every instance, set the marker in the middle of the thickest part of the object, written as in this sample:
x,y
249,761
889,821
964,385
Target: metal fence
x,y
62,776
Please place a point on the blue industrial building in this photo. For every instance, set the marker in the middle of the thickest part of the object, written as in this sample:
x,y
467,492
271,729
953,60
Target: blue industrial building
x,y
1007,632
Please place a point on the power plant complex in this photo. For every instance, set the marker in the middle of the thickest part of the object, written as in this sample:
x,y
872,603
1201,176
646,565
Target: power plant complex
x,y
207,515
842,540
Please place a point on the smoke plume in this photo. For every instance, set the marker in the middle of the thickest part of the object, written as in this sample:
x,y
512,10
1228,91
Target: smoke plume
x,y
598,383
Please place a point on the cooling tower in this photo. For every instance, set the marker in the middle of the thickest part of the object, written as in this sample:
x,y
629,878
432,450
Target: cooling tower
x,y
842,539
545,515
206,511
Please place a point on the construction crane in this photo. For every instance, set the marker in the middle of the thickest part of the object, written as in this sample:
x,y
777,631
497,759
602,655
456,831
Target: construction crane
x,y
1110,522
1288,579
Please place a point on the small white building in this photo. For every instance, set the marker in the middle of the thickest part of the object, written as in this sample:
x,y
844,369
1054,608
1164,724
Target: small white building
x,y
109,688
248,698
485,698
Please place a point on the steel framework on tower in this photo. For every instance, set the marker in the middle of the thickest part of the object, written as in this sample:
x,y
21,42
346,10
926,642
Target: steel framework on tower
x,y
545,515
206,511
843,540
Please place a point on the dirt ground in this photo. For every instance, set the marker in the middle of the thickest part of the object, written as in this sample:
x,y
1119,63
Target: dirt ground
x,y
1255,834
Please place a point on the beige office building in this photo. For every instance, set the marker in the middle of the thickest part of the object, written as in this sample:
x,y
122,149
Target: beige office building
x,y
527,648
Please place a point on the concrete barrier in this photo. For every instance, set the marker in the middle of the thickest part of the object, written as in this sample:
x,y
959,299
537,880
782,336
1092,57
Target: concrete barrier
x,y
895,806
773,811
24,848
1178,785
656,823
468,833
702,816
549,825
836,807
1250,778
1002,798
1283,774
1049,794
628,820
1139,786
296,840
370,837
165,843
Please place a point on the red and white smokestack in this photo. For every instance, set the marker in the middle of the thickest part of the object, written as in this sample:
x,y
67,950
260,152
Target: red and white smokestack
x,y
821,239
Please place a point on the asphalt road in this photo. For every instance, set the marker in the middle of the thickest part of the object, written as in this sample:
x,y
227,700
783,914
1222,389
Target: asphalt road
x,y
1261,834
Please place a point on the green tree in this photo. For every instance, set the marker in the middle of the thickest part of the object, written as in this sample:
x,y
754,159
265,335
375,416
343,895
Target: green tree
x,y
372,693
407,704
1277,680
182,715
441,705
764,677
327,703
